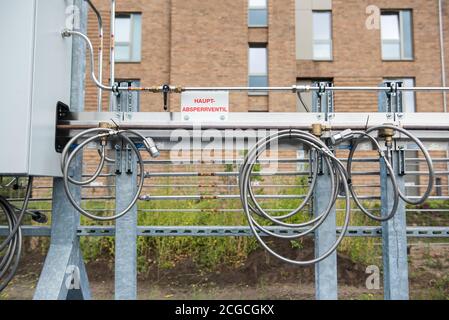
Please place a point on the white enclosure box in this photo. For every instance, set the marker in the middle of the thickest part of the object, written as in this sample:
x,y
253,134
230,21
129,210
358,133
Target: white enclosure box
x,y
35,67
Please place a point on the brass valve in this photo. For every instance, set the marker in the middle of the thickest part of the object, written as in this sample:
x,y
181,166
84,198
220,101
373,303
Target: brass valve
x,y
387,134
318,128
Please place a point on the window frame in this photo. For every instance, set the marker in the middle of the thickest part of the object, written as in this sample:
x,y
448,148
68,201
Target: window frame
x,y
401,42
132,38
257,46
255,9
320,41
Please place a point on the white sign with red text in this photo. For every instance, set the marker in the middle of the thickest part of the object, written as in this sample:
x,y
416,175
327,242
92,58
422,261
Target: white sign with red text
x,y
202,106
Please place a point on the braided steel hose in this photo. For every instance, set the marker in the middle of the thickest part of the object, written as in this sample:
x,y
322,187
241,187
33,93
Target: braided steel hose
x,y
338,177
103,134
384,157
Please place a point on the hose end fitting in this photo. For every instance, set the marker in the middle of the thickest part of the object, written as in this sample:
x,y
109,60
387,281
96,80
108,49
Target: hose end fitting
x,y
105,125
342,137
65,33
150,145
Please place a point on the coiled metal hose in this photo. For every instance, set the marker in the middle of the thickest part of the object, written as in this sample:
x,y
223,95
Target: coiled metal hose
x,y
338,177
103,134
385,158
340,180
11,247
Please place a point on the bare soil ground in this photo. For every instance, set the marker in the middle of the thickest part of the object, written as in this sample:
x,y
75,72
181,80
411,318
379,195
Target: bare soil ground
x,y
261,277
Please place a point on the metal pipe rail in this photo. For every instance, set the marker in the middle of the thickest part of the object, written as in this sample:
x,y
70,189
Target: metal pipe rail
x,y
218,197
308,88
159,124
155,186
234,174
178,210
178,89
230,231
183,162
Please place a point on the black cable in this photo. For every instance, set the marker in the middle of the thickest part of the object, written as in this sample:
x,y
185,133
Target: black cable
x,y
11,247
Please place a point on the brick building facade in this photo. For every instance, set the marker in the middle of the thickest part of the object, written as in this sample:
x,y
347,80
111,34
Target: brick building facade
x,y
206,43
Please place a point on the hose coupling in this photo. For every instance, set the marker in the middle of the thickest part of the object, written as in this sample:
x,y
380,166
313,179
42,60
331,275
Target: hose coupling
x,y
150,145
105,125
387,134
342,137
176,89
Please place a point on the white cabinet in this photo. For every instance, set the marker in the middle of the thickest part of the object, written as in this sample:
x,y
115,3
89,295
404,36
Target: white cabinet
x,y
35,68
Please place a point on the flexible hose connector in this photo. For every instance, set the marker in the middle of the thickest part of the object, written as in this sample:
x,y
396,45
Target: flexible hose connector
x,y
337,178
11,247
340,183
384,158
103,134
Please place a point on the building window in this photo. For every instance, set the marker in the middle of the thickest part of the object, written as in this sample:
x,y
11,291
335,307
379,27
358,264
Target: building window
x,y
128,37
396,34
258,67
257,13
322,35
408,97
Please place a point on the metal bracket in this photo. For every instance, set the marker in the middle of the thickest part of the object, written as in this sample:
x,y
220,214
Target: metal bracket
x,y
61,136
125,105
401,162
394,97
118,159
323,101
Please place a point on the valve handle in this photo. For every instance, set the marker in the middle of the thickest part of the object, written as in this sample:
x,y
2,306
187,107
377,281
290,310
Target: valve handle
x,y
165,91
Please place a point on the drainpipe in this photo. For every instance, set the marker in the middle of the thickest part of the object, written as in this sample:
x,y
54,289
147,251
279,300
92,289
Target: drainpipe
x,y
443,65
112,56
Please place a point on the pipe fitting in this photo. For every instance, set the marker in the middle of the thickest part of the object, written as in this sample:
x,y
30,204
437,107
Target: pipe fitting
x,y
387,134
105,125
65,33
176,89
342,137
150,145
317,129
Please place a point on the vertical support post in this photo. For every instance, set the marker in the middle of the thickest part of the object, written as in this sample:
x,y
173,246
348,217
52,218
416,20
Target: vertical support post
x,y
326,286
394,233
126,226
64,275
